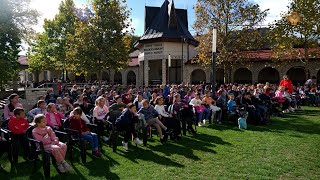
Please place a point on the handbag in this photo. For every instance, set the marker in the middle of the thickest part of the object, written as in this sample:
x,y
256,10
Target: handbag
x,y
200,109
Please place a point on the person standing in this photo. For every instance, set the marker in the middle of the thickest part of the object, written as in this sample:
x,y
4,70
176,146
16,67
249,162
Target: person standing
x,y
287,83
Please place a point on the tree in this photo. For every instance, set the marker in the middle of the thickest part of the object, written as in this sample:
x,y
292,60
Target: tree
x,y
39,55
16,19
101,38
235,21
305,34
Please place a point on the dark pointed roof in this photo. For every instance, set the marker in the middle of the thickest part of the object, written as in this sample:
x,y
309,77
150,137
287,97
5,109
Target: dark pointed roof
x,y
167,24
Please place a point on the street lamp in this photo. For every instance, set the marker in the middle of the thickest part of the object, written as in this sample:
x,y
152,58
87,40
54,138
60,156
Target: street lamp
x,y
169,66
214,58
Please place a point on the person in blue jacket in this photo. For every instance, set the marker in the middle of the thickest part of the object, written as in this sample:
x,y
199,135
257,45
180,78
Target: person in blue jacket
x,y
126,122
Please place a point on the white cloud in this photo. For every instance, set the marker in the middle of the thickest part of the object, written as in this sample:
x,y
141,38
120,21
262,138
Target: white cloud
x,y
276,7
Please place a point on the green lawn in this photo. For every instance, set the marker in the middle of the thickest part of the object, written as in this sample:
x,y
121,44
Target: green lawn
x,y
288,148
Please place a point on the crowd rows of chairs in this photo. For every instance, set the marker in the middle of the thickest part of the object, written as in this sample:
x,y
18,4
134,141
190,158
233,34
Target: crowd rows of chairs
x,y
260,111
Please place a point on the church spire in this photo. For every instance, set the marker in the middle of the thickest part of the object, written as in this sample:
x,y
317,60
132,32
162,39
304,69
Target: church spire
x,y
172,23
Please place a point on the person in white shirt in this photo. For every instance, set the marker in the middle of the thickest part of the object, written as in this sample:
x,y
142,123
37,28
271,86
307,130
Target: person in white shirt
x,y
100,112
167,118
196,102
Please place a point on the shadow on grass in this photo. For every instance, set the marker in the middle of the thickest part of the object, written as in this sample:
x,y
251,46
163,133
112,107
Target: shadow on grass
x,y
97,168
147,155
296,121
104,165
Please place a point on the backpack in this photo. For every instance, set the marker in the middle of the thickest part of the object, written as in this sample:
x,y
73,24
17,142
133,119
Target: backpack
x,y
242,122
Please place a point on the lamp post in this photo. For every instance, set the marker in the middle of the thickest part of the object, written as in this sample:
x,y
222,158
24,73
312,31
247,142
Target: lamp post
x,y
169,66
214,58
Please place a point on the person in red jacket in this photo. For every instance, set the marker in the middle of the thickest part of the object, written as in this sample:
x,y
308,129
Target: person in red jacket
x,y
18,124
78,124
287,84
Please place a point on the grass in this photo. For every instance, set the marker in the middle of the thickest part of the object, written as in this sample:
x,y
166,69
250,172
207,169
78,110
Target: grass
x,y
288,148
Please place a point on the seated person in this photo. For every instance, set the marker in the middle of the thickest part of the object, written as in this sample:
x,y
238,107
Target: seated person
x,y
86,107
186,113
117,107
77,123
126,122
13,103
51,143
200,109
53,116
232,105
66,106
209,102
59,103
41,109
100,112
18,124
83,116
138,101
167,118
151,117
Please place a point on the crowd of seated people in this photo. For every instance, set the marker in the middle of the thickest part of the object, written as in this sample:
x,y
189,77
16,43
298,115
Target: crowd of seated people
x,y
163,107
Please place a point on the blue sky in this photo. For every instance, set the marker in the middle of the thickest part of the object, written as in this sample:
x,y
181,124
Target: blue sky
x,y
137,13
48,8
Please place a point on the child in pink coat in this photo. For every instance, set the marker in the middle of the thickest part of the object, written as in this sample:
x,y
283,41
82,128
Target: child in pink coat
x,y
50,141
53,116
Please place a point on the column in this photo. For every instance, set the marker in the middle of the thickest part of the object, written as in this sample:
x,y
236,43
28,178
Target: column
x,y
208,75
111,74
146,72
49,75
164,71
124,78
139,75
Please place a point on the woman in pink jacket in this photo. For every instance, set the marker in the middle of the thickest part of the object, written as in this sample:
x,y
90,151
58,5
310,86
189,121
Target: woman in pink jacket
x,y
51,143
53,116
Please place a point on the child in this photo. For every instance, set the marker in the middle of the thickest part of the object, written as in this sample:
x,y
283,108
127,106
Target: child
x,y
138,101
151,117
196,102
209,102
18,124
41,109
77,123
100,112
126,122
231,104
51,143
53,116
242,120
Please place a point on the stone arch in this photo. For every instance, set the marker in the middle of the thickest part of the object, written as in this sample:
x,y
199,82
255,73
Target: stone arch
x,y
94,77
131,77
242,75
80,78
269,74
198,76
118,78
297,75
105,76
